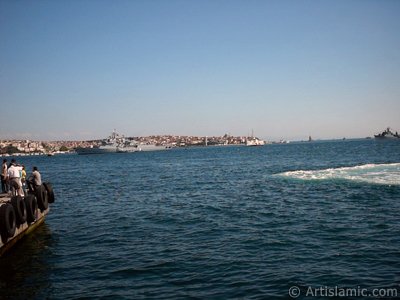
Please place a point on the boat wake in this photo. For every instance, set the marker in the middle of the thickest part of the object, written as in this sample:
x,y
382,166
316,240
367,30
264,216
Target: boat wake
x,y
385,174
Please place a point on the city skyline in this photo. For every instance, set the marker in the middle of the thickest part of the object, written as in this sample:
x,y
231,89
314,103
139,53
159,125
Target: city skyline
x,y
285,69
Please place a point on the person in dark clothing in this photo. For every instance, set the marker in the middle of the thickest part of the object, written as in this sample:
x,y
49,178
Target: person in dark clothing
x,y
4,186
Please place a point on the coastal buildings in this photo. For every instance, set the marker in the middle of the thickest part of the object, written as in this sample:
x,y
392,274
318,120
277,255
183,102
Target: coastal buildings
x,y
28,147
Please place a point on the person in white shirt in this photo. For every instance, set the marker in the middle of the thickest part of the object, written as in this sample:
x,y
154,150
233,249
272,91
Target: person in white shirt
x,y
14,177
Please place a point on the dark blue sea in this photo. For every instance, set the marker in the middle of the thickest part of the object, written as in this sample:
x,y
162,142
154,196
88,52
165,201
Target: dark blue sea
x,y
214,223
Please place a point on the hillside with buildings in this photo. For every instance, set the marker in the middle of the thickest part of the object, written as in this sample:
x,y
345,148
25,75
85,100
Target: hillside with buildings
x,y
29,147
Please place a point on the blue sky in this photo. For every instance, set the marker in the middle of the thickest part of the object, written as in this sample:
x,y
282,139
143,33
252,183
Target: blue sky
x,y
286,69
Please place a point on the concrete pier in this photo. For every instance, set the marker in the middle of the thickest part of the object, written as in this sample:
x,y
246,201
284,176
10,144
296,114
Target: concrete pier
x,y
21,229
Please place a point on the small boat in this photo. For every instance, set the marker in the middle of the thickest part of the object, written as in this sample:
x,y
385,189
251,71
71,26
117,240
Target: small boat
x,y
387,134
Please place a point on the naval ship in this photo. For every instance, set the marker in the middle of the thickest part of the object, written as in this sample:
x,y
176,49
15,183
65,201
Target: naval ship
x,y
387,134
117,143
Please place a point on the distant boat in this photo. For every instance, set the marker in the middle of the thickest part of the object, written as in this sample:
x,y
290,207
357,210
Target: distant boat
x,y
387,134
254,141
309,138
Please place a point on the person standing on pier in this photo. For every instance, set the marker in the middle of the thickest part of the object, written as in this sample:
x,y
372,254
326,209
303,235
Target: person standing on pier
x,y
14,177
4,187
34,180
23,179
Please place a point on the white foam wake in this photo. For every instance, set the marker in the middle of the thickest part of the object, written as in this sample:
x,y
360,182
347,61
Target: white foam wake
x,y
388,174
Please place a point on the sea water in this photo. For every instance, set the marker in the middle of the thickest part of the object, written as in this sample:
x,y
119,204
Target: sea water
x,y
214,223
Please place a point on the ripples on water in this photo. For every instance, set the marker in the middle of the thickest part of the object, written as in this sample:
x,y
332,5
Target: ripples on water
x,y
213,223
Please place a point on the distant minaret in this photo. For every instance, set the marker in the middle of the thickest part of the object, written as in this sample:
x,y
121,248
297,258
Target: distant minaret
x,y
206,141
